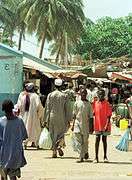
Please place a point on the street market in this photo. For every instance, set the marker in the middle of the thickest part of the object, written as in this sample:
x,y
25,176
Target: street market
x,y
65,90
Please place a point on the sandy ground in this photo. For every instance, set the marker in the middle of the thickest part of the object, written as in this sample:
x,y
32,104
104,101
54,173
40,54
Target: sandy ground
x,y
42,167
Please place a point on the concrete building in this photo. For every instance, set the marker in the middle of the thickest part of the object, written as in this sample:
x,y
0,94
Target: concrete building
x,y
14,67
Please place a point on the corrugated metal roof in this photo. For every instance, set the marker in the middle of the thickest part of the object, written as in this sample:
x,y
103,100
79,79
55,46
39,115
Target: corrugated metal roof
x,y
9,50
30,64
42,62
29,61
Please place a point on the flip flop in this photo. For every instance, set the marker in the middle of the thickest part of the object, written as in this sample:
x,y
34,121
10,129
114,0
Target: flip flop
x,y
61,153
86,156
54,155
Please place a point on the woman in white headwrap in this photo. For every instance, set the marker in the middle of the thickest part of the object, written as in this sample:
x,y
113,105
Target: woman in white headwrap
x,y
31,111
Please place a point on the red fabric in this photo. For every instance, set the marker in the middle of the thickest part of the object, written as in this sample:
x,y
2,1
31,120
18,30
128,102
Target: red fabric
x,y
102,111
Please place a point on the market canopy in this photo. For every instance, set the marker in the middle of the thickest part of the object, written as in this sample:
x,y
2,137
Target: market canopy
x,y
79,75
32,62
120,75
99,79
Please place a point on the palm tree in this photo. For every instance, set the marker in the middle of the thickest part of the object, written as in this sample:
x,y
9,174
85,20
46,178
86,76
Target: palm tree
x,y
39,18
21,29
10,17
7,19
44,16
72,26
58,47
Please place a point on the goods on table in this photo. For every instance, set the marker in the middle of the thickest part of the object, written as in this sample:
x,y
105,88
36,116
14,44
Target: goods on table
x,y
123,124
122,110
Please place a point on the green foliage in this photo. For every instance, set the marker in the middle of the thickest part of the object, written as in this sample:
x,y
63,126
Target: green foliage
x,y
6,40
86,70
51,19
10,20
106,38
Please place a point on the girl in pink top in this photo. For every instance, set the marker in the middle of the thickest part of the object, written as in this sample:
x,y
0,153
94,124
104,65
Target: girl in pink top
x,y
102,125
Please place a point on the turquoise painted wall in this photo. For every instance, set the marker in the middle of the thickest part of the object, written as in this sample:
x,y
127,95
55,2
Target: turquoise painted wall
x,y
11,74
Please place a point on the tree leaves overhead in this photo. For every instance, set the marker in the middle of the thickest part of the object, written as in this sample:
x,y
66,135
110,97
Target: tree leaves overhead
x,y
106,38
11,20
50,18
70,18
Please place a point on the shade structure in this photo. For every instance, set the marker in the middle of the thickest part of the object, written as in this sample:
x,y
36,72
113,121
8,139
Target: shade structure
x,y
120,75
79,75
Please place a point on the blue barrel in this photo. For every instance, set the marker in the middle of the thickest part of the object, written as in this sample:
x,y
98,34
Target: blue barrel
x,y
11,74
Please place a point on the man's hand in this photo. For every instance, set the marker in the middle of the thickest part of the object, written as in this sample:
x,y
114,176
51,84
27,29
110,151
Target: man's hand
x,y
68,125
45,125
72,128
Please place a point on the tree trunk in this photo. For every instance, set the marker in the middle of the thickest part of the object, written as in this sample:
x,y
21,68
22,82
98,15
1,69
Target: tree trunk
x,y
11,40
42,45
20,40
62,58
70,60
90,57
66,51
58,53
57,56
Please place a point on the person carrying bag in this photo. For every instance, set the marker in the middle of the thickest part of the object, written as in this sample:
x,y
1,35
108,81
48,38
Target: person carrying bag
x,y
45,141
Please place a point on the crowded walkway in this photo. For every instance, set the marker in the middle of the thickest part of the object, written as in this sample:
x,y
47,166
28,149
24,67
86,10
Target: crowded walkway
x,y
68,126
42,167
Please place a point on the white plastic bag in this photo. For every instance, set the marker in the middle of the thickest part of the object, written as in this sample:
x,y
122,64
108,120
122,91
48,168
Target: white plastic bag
x,y
45,141
75,143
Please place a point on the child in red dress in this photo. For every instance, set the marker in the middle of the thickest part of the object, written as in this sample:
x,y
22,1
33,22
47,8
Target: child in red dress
x,y
102,126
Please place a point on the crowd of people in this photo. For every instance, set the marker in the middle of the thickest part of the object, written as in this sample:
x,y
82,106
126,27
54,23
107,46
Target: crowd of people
x,y
85,110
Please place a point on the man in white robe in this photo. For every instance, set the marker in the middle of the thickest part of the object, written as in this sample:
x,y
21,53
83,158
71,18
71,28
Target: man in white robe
x,y
33,116
82,114
57,117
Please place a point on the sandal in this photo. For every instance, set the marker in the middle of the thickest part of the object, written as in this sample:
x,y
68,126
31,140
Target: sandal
x,y
80,161
106,160
33,145
61,153
95,160
54,154
86,156
25,147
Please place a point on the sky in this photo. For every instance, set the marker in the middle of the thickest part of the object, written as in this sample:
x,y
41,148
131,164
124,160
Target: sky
x,y
95,9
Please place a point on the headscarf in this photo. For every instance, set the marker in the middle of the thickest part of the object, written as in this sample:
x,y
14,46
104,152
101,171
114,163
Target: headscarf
x,y
29,88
